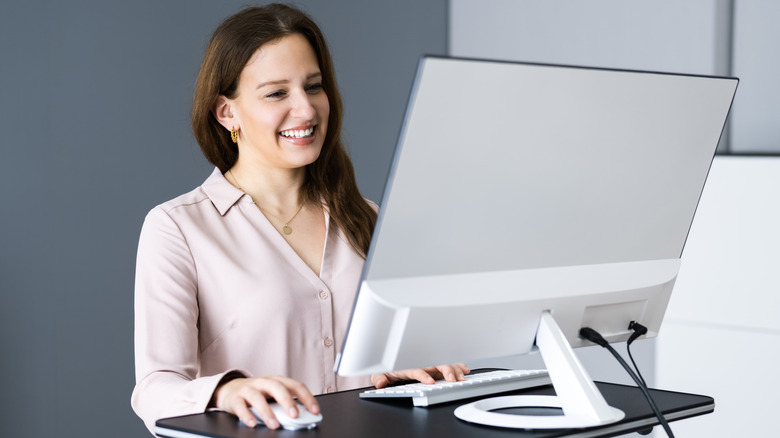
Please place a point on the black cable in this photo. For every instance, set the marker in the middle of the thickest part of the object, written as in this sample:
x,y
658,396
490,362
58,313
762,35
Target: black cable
x,y
593,336
636,368
639,330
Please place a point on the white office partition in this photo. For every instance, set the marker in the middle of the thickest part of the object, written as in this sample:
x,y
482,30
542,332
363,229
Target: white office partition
x,y
725,304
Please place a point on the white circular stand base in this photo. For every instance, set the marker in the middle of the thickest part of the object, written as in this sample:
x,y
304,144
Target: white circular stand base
x,y
480,412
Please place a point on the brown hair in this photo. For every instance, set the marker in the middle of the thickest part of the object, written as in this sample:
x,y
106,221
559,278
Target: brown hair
x,y
331,177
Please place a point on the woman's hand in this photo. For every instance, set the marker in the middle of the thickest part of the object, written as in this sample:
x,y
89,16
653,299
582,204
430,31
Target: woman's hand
x,y
238,395
450,373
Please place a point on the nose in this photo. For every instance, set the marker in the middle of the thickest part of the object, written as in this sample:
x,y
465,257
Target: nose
x,y
302,106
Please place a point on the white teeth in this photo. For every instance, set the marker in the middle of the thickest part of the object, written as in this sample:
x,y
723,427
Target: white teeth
x,y
297,133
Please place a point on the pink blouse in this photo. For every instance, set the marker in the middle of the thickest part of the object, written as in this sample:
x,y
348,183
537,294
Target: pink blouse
x,y
218,289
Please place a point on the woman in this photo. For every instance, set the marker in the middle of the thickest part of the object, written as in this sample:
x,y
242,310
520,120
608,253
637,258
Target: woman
x,y
244,286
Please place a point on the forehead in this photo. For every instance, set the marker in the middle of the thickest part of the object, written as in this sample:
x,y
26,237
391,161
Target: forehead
x,y
283,56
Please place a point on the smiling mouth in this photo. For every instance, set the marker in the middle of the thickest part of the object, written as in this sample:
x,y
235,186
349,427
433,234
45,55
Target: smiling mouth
x,y
298,133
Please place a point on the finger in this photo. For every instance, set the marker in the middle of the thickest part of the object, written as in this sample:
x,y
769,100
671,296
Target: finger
x,y
453,373
462,370
380,380
449,372
276,388
435,372
421,375
263,410
299,390
303,394
240,409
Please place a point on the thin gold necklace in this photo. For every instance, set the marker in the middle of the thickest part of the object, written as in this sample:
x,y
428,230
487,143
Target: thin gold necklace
x,y
286,229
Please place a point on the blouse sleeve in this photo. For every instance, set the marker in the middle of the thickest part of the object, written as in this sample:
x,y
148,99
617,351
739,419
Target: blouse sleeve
x,y
166,326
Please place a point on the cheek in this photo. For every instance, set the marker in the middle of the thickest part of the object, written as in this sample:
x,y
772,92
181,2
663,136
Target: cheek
x,y
261,119
269,120
323,106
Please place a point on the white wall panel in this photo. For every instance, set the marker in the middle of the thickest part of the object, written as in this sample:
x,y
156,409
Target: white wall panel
x,y
729,275
737,368
721,336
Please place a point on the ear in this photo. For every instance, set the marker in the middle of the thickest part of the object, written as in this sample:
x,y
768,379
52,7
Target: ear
x,y
224,114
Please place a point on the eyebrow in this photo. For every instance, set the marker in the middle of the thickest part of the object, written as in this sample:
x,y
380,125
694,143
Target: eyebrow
x,y
284,81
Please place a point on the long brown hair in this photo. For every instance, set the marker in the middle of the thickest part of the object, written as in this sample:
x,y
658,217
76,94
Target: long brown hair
x,y
331,177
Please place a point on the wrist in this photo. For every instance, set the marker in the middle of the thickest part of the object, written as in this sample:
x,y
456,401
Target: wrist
x,y
233,375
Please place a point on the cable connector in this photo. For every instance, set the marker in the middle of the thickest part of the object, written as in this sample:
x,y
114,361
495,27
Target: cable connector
x,y
593,336
638,329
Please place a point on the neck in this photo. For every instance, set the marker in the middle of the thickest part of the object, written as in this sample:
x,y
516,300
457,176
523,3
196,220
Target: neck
x,y
277,190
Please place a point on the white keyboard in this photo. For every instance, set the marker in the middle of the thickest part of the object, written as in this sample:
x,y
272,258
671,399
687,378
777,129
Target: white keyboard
x,y
475,385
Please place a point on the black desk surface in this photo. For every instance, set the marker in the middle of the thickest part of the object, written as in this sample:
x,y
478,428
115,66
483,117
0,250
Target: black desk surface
x,y
347,416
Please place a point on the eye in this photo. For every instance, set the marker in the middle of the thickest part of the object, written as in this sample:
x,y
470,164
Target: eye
x,y
276,94
314,88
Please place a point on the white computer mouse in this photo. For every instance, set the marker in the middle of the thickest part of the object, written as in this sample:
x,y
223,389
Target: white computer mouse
x,y
305,419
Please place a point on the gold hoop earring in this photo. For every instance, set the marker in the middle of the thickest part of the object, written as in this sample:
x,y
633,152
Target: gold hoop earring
x,y
234,135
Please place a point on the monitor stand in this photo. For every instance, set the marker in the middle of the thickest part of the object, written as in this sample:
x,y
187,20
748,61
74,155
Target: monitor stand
x,y
577,396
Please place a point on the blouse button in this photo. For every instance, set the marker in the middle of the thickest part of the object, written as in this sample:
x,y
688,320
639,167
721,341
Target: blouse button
x,y
328,342
324,295
330,389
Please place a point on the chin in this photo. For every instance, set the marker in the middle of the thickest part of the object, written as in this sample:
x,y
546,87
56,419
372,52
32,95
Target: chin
x,y
303,161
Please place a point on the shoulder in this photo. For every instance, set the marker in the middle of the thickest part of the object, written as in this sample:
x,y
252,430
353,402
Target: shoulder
x,y
169,228
183,202
213,198
177,208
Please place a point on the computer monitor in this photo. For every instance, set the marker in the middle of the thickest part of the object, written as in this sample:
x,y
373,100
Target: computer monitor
x,y
525,202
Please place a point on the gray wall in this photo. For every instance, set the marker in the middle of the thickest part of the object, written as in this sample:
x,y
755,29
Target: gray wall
x,y
712,37
755,117
695,36
94,118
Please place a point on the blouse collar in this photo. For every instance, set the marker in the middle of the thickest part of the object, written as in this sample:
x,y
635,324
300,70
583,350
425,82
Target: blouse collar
x,y
221,193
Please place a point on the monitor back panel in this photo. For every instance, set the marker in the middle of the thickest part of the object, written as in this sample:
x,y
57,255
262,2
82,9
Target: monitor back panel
x,y
504,166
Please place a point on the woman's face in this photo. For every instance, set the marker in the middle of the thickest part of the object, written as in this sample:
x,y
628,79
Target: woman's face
x,y
281,108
